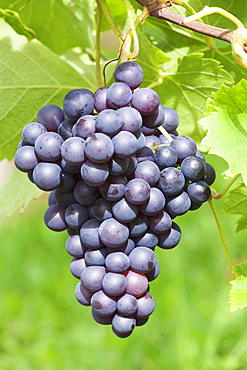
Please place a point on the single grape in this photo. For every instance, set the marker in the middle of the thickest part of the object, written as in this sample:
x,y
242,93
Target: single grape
x,y
48,146
82,295
102,304
171,181
145,100
100,103
131,167
131,119
152,275
129,73
155,119
154,204
92,277
178,204
137,283
65,128
142,259
148,240
184,146
117,166
145,154
145,306
84,127
64,199
32,131
68,182
112,233
109,122
75,215
152,140
94,174
210,175
124,211
75,247
69,168
102,209
148,171
160,223
47,176
165,156
99,148
171,238
171,120
73,151
26,159
85,194
127,305
103,320
114,284
123,326
193,168
137,191
77,266
50,116
95,257
125,144
118,95
117,262
78,102
54,218
139,226
199,191
89,234
113,188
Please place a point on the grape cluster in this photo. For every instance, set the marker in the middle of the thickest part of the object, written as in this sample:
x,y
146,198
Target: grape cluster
x,y
119,173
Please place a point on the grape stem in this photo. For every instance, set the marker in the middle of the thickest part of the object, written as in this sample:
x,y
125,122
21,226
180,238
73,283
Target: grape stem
x,y
165,133
216,195
222,236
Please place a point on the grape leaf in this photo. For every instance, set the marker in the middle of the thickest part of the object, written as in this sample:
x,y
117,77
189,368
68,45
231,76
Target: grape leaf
x,y
58,24
187,89
236,204
238,291
17,193
31,76
227,126
14,20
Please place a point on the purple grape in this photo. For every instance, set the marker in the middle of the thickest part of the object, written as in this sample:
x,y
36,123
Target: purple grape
x,y
65,128
95,257
145,154
171,238
100,103
77,266
75,215
160,223
210,175
102,209
113,188
146,306
55,218
145,100
154,204
155,119
139,226
94,174
178,204
32,131
123,326
131,119
124,211
148,240
137,191
131,167
142,259
103,320
47,176
199,191
102,304
89,233
127,305
75,247
117,262
171,120
99,148
118,95
171,181
165,156
64,199
109,122
48,146
184,146
117,166
137,283
26,159
193,168
50,116
73,151
152,275
85,194
141,141
92,277
67,183
112,233
114,284
125,144
51,198
152,140
69,168
84,127
148,171
78,102
82,295
129,73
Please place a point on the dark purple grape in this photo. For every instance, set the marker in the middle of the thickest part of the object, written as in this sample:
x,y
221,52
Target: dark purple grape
x,y
178,204
68,182
100,103
118,95
55,218
47,176
50,116
78,102
102,209
184,146
69,168
171,238
75,247
84,127
137,191
92,277
148,171
145,306
154,204
94,174
48,146
65,128
75,215
165,156
64,199
193,168
99,148
114,284
171,181
117,262
152,275
131,119
145,154
109,122
85,194
210,175
129,73
103,320
127,305
102,304
199,191
145,100
32,131
112,233
26,159
155,119
73,151
89,234
171,120
142,259
113,188
160,223
131,167
82,295
77,266
117,166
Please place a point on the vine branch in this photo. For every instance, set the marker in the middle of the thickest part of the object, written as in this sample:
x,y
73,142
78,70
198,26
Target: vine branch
x,y
159,9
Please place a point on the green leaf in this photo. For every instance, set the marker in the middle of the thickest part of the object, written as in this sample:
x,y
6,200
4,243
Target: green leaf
x,y
238,291
17,193
236,204
226,122
31,76
58,24
187,88
14,20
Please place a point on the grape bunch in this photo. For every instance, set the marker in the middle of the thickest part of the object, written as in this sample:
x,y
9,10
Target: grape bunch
x,y
118,174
